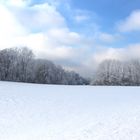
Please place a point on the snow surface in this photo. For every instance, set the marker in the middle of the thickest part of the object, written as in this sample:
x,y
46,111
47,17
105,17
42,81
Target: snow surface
x,y
51,112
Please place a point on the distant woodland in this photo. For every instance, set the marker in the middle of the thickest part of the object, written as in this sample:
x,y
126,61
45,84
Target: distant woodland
x,y
114,72
20,65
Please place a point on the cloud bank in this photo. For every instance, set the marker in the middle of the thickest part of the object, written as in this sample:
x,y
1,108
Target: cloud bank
x,y
131,23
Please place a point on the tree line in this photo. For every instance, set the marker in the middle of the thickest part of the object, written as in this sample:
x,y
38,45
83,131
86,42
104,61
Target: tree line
x,y
20,65
115,72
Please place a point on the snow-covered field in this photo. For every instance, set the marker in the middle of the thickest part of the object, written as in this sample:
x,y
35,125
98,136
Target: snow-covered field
x,y
51,112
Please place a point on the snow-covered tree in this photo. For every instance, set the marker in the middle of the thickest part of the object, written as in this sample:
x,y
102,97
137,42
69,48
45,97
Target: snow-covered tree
x,y
19,64
114,72
8,64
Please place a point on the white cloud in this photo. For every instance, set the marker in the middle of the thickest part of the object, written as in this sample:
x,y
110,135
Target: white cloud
x,y
65,37
81,15
81,18
132,52
44,47
9,27
43,29
16,3
110,53
129,52
106,37
39,17
56,44
131,23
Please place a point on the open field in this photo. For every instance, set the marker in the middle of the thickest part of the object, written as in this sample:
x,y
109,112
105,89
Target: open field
x,y
52,112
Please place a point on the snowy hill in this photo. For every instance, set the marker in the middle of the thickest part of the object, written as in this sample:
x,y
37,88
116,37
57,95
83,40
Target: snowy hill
x,y
51,112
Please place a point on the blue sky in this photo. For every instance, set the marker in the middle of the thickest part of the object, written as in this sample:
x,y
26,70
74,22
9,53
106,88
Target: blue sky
x,y
74,33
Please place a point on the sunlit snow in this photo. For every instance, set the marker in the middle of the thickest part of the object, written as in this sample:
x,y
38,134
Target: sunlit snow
x,y
52,112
